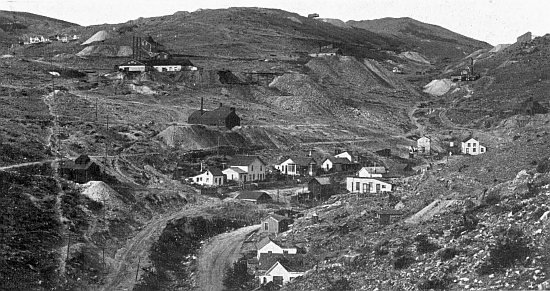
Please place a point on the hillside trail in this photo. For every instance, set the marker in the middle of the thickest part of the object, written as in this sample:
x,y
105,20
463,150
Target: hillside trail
x,y
124,265
217,255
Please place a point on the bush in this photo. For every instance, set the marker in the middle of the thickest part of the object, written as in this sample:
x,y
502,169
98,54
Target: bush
x,y
435,283
423,244
342,284
448,253
511,246
544,165
402,259
237,277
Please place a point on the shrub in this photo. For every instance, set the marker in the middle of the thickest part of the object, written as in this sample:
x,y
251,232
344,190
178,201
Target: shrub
x,y
511,246
448,253
423,244
544,165
402,259
437,282
342,284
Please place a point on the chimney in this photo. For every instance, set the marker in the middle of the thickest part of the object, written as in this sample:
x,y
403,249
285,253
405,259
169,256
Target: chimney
x,y
202,105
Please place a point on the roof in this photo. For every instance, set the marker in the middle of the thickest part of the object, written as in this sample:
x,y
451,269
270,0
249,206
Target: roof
x,y
336,160
169,62
424,137
292,263
263,242
278,217
219,113
252,195
132,63
237,170
244,160
374,170
302,161
322,180
469,138
215,171
266,261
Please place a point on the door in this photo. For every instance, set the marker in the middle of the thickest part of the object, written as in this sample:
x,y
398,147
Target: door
x,y
377,188
358,186
278,280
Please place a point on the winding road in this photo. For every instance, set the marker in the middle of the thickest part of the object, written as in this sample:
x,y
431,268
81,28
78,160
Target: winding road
x,y
220,252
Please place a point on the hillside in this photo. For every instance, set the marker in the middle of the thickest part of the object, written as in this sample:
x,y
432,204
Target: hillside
x,y
436,43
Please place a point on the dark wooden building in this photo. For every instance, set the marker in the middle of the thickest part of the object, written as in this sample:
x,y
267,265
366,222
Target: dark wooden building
x,y
274,224
320,188
221,116
257,197
386,217
82,170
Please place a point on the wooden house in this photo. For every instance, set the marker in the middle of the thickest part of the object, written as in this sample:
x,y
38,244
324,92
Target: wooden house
x,y
321,188
281,273
82,170
470,146
253,166
337,164
268,246
274,224
298,166
367,185
221,116
386,217
424,145
211,177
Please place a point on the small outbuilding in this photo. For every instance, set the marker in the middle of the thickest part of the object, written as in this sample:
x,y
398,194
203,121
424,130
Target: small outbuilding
x,y
386,217
82,170
321,188
274,224
221,116
257,197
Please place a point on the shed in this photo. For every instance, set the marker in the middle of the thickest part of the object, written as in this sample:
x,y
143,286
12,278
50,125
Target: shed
x,y
389,216
321,188
254,196
82,170
221,116
274,224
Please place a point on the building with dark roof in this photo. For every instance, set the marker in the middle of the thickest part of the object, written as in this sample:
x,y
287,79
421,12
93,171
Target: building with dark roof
x,y
298,166
221,116
337,164
257,197
274,224
389,216
82,170
320,188
211,177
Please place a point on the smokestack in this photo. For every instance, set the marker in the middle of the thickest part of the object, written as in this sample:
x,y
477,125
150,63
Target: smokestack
x,y
472,65
202,105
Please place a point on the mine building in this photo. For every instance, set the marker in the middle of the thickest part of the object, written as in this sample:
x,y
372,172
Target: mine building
x,y
82,170
321,188
274,224
221,116
258,197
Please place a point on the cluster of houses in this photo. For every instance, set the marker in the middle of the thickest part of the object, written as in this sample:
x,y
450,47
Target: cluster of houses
x,y
160,64
64,38
468,146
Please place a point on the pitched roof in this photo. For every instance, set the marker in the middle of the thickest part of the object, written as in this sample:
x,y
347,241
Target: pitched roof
x,y
278,217
468,138
322,180
252,195
263,242
336,160
132,63
215,171
302,161
244,160
237,170
266,261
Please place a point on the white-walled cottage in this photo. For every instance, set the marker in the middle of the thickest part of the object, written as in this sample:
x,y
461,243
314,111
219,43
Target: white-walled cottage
x,y
211,177
470,146
254,167
280,274
367,185
267,246
296,166
371,172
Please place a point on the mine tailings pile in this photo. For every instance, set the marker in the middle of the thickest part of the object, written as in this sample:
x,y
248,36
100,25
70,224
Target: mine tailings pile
x,y
173,254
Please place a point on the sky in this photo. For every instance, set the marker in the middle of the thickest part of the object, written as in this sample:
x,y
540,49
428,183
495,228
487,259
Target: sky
x,y
493,21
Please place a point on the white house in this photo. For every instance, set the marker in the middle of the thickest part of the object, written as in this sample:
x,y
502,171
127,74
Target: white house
x,y
211,177
235,174
171,65
254,167
367,185
132,66
338,164
371,172
297,166
279,274
267,246
424,145
471,146
346,155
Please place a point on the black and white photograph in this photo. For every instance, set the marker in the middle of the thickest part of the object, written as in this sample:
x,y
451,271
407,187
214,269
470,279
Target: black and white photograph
x,y
285,145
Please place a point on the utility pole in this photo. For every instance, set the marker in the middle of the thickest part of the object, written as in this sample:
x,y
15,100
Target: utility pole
x,y
137,269
96,110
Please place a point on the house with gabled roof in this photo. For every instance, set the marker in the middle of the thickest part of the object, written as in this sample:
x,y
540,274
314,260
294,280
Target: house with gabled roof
x,y
371,172
345,154
257,197
470,146
268,246
281,273
298,166
211,177
274,224
83,169
171,65
253,166
221,116
336,164
320,188
424,145
235,174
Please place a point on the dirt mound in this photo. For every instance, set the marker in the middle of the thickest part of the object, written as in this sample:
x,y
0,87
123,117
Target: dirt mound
x,y
499,48
124,51
436,207
106,51
98,36
438,87
414,56
98,191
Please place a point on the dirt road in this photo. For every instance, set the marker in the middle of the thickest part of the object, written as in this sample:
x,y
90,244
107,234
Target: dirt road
x,y
217,255
137,249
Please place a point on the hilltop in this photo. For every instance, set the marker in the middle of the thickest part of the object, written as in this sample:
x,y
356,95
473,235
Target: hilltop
x,y
436,43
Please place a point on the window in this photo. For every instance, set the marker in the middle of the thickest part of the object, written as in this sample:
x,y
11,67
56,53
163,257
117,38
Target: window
x,y
291,168
474,150
357,186
474,144
468,144
251,168
482,150
266,226
365,186
261,168
383,186
253,176
285,252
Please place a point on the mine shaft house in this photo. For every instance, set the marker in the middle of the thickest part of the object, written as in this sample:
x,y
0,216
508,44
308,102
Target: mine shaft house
x,y
82,170
221,116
